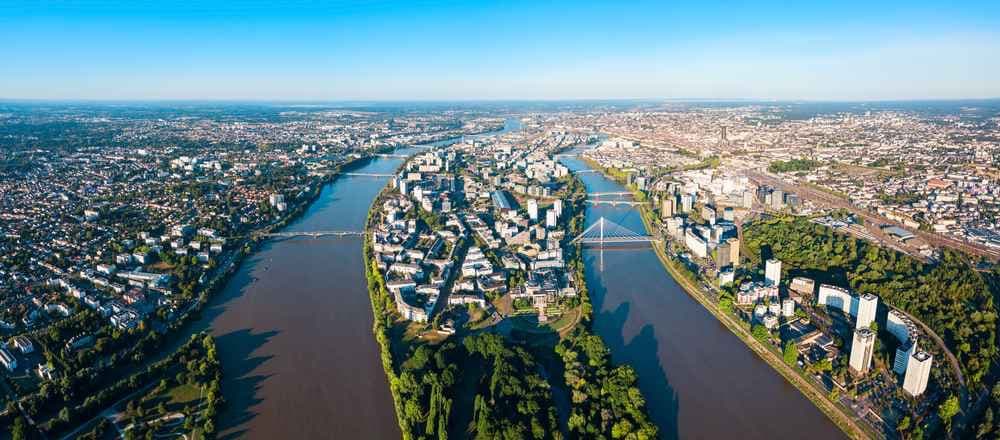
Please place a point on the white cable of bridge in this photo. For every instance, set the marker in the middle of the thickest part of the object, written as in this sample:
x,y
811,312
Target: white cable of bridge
x,y
604,230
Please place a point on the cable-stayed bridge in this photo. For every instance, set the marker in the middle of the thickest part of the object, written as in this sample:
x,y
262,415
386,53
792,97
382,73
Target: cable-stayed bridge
x,y
605,231
614,202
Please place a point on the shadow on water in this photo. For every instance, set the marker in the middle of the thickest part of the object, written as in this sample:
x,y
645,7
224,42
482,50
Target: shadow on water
x,y
642,353
235,349
680,351
241,389
242,277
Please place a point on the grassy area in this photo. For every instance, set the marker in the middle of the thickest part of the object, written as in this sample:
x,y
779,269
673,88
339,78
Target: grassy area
x,y
476,314
166,411
504,305
562,324
411,329
183,394
478,319
414,332
566,322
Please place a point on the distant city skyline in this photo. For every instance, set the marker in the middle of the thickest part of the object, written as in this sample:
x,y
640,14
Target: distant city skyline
x,y
449,50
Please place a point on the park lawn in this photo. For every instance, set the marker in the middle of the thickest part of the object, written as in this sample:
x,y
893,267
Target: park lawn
x,y
565,322
175,398
559,324
504,305
412,330
476,314
183,394
433,337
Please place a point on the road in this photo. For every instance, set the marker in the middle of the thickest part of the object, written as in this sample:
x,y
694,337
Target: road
x,y
932,238
940,343
109,411
220,273
839,202
173,416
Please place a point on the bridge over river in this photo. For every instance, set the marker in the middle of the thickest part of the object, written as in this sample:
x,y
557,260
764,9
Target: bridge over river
x,y
367,174
691,369
605,231
315,234
615,202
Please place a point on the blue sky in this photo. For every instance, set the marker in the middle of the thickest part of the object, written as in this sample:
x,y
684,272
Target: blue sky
x,y
444,50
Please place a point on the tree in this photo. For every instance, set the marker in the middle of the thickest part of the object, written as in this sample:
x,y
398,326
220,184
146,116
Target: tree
x,y
726,305
823,365
791,353
948,295
834,394
948,409
760,333
20,430
986,426
903,424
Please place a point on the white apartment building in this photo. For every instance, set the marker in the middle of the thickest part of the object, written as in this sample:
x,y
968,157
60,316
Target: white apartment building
x,y
772,272
696,244
867,306
919,370
838,298
861,350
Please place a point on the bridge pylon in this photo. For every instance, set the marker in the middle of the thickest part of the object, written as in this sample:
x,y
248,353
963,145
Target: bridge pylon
x,y
606,231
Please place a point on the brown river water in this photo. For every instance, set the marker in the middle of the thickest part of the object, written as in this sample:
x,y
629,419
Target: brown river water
x,y
294,335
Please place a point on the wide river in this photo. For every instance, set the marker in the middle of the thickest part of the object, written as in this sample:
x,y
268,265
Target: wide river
x,y
294,327
699,380
294,333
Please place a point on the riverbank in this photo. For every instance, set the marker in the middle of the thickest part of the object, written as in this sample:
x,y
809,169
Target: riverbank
x,y
684,279
164,340
382,319
819,399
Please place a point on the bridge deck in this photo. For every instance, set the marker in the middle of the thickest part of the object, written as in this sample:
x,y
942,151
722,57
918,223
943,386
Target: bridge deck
x,y
315,234
367,174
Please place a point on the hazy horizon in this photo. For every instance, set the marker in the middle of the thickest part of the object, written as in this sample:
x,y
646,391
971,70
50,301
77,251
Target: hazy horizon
x,y
320,102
